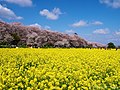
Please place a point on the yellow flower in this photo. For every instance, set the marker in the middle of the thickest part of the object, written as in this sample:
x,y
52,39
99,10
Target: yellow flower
x,y
28,88
54,68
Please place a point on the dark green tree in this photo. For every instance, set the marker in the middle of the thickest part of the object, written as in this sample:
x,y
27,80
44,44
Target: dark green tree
x,y
75,33
111,45
16,39
119,47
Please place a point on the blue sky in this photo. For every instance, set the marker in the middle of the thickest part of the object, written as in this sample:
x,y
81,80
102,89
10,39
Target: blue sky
x,y
93,20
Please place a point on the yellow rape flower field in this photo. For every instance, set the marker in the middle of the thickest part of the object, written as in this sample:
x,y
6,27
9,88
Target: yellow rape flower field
x,y
59,69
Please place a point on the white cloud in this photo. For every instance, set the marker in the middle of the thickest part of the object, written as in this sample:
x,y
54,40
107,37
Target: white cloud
x,y
101,31
23,3
97,23
36,25
8,14
52,15
47,27
70,31
117,32
111,3
81,23
40,27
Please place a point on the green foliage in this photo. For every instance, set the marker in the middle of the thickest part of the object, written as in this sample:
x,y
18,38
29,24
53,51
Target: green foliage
x,y
5,46
48,45
111,45
23,46
16,39
119,47
89,46
3,43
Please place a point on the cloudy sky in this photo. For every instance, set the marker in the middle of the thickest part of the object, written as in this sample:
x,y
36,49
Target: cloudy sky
x,y
94,20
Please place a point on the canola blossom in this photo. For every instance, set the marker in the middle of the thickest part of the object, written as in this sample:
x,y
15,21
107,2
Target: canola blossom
x,y
59,69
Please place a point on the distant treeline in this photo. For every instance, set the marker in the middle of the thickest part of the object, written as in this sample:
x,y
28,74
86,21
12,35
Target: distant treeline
x,y
6,45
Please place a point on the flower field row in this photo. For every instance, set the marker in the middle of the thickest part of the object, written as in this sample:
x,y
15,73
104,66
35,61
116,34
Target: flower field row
x,y
59,69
